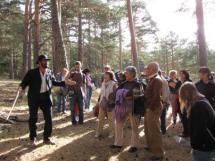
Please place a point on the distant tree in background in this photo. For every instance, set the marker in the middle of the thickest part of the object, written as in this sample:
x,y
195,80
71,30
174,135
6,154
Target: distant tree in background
x,y
203,55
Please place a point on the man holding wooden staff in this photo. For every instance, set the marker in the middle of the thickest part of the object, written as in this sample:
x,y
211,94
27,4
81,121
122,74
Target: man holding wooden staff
x,y
40,81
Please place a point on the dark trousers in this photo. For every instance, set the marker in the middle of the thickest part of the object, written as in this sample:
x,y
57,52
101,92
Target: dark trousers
x,y
163,119
79,100
185,122
45,105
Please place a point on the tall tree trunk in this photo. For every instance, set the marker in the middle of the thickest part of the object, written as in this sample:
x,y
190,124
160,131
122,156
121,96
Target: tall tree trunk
x,y
12,72
80,45
203,55
89,42
172,57
26,38
30,38
132,32
120,46
59,51
37,4
167,61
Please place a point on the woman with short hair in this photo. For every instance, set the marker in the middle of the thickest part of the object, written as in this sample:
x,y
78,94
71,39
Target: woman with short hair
x,y
127,107
202,122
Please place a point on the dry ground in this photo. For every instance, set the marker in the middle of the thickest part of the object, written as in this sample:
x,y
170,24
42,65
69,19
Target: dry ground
x,y
73,143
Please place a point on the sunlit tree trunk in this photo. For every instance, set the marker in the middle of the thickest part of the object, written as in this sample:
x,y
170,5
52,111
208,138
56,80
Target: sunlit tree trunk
x,y
26,38
37,4
203,55
59,51
132,33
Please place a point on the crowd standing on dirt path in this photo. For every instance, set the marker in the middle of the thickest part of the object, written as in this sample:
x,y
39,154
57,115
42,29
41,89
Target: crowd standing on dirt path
x,y
126,96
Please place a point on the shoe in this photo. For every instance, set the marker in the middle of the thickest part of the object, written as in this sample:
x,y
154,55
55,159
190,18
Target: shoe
x,y
33,142
154,158
48,142
132,150
147,148
110,136
64,112
174,121
115,147
163,132
74,123
97,136
81,123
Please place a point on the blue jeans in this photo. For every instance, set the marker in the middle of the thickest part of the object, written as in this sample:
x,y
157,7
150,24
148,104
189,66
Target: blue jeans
x,y
203,156
88,97
79,100
61,102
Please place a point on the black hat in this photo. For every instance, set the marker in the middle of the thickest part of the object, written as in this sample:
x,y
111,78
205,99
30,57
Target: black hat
x,y
42,57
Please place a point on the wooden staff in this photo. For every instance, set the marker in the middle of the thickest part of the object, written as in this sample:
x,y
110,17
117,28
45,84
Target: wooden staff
x,y
14,103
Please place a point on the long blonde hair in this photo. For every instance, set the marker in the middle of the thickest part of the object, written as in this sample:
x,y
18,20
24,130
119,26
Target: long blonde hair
x,y
188,95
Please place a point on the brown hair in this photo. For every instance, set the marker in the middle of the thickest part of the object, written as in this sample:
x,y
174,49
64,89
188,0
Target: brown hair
x,y
186,74
205,70
111,75
188,95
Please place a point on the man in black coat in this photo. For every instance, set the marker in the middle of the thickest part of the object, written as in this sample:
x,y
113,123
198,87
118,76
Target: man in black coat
x,y
40,81
206,86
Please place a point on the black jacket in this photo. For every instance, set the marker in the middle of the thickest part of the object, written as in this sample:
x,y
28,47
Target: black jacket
x,y
208,90
135,90
33,80
202,117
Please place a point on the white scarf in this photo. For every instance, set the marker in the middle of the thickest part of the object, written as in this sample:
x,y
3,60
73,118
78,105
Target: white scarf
x,y
106,89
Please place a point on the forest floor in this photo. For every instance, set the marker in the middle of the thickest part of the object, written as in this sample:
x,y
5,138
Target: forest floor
x,y
73,143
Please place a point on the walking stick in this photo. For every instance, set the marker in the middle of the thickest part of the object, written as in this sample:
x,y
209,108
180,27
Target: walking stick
x,y
14,103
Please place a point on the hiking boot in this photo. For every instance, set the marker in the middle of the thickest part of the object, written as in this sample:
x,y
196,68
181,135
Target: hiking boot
x,y
132,150
115,147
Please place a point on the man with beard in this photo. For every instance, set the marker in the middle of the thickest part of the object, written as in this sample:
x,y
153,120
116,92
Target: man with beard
x,y
40,81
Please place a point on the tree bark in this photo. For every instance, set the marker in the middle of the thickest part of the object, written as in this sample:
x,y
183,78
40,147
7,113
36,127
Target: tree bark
x,y
12,72
26,38
30,38
37,29
203,55
132,33
59,51
80,45
120,46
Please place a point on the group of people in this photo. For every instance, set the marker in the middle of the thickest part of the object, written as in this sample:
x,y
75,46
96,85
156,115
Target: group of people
x,y
125,96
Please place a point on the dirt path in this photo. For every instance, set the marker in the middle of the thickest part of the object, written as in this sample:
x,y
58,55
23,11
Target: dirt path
x,y
73,143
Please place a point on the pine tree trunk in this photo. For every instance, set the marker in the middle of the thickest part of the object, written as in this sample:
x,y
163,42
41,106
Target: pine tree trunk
x,y
12,72
30,38
89,42
120,46
203,55
59,51
132,32
26,38
37,29
80,45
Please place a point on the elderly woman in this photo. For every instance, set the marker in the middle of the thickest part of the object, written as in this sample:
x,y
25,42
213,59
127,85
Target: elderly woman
x,y
127,107
202,122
